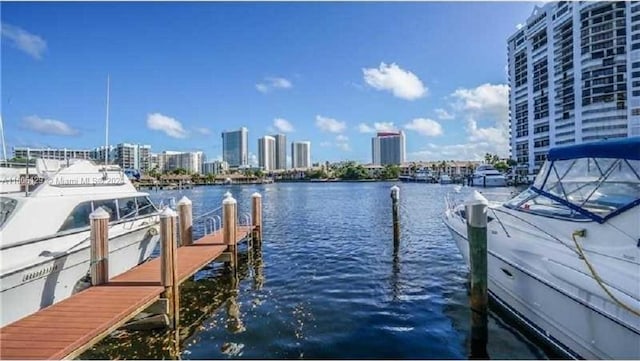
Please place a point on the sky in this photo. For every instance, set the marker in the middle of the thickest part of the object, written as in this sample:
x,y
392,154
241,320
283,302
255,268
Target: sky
x,y
330,73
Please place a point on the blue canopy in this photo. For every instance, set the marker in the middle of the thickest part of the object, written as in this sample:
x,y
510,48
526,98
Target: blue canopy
x,y
624,148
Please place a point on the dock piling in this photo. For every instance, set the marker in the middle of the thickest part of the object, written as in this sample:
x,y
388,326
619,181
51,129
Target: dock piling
x,y
99,269
256,216
395,198
186,221
230,227
476,210
168,264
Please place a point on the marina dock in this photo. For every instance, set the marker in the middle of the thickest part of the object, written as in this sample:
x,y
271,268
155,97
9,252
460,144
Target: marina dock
x,y
68,328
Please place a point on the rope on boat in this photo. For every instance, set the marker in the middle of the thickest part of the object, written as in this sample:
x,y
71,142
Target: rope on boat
x,y
597,277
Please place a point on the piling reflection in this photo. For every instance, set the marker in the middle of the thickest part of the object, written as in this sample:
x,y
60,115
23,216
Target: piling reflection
x,y
395,273
210,289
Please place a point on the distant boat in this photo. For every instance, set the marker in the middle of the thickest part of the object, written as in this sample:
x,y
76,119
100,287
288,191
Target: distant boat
x,y
421,176
445,179
487,176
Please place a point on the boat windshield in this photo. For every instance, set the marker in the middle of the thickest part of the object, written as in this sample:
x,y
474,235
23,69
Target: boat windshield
x,y
7,205
583,188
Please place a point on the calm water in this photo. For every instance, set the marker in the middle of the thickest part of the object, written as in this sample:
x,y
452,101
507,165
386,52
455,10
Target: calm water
x,y
328,283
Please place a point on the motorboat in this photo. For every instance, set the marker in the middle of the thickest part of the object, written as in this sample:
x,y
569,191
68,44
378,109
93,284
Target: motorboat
x,y
420,176
45,229
564,255
445,179
487,176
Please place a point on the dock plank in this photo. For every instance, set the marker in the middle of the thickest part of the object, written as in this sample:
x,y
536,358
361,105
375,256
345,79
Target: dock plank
x,y
70,327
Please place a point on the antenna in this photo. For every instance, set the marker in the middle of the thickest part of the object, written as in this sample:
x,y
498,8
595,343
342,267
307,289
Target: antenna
x,y
4,145
106,133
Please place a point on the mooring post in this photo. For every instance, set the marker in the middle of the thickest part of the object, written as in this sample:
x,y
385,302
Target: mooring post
x,y
476,210
99,220
168,264
395,198
186,221
256,216
230,227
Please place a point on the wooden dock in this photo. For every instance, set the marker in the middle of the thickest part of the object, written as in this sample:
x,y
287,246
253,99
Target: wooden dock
x,y
68,328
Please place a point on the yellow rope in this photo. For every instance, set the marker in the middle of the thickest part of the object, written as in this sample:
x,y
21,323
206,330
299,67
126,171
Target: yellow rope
x,y
599,280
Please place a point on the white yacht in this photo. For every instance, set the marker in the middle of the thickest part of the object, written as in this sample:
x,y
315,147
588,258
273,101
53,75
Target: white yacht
x,y
445,179
487,176
564,255
44,243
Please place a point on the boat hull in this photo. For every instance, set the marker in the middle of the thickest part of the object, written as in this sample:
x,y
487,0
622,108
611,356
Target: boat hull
x,y
565,321
489,181
31,288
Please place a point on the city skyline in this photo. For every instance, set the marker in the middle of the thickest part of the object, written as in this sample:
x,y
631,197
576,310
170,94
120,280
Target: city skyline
x,y
182,92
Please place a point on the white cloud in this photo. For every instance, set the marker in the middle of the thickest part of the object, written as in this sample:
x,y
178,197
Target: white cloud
x,y
325,144
48,126
253,160
341,138
364,128
343,146
283,125
402,83
271,83
29,43
330,125
203,131
424,126
168,125
443,114
486,104
377,127
467,151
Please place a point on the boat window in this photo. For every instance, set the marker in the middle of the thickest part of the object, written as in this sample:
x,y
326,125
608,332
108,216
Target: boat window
x,y
7,205
145,206
108,205
78,218
127,208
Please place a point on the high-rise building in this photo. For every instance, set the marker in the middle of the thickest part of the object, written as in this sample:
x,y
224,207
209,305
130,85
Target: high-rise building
x,y
235,149
132,156
388,148
301,154
215,167
281,151
190,161
98,154
52,153
574,77
267,153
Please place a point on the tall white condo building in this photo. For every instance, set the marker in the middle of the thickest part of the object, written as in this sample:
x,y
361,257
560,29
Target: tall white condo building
x,y
574,76
301,154
267,153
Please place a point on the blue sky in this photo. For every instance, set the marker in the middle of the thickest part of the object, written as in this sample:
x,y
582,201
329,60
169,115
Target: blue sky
x,y
330,73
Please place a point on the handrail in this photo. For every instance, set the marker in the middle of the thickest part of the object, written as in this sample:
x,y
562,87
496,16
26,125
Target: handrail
x,y
203,215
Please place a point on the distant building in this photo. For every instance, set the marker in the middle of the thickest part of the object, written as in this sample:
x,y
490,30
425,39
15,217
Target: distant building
x,y
281,151
133,156
190,161
98,155
388,148
574,77
215,167
52,153
267,153
235,148
301,154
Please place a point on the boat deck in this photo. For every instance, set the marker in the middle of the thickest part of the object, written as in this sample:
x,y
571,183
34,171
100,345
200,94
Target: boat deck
x,y
68,328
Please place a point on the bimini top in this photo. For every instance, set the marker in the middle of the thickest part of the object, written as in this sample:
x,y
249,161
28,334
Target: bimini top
x,y
625,148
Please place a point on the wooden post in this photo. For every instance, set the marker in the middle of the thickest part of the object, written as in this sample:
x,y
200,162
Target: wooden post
x,y
168,264
99,220
476,210
256,216
395,197
230,227
186,221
